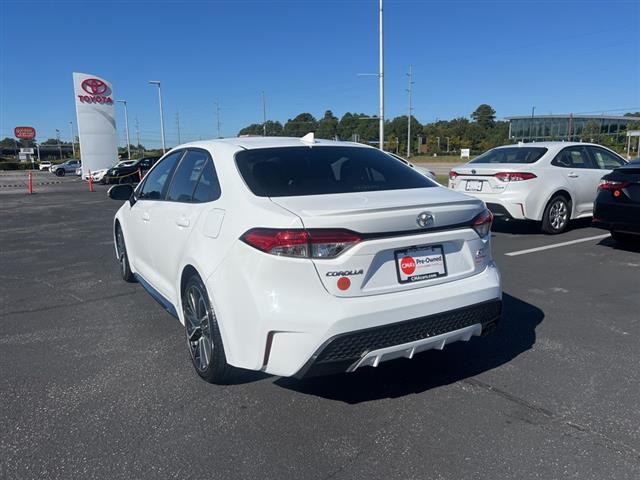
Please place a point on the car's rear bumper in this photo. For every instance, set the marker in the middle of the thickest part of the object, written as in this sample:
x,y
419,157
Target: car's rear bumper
x,y
275,315
369,347
506,204
616,216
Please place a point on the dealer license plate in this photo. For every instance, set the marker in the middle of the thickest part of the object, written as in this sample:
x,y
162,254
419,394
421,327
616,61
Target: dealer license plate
x,y
473,186
420,263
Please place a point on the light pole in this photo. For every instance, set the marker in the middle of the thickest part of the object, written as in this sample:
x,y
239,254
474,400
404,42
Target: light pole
x,y
410,75
264,117
59,147
157,82
533,111
381,75
126,126
447,144
73,143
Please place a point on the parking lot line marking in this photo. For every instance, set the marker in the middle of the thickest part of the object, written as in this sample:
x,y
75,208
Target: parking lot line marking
x,y
556,245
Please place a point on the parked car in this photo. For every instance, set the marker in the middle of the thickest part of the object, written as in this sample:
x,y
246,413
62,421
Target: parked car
x,y
617,206
549,182
128,171
62,169
306,261
425,171
45,165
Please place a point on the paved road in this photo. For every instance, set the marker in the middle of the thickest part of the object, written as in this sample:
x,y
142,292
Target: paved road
x,y
96,382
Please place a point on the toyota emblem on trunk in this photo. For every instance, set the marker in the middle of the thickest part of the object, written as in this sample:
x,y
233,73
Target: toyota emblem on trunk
x,y
424,220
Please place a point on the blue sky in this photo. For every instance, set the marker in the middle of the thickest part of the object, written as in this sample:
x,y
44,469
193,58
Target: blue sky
x,y
559,56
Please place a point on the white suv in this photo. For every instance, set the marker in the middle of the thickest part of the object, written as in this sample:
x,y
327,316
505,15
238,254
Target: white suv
x,y
303,257
550,182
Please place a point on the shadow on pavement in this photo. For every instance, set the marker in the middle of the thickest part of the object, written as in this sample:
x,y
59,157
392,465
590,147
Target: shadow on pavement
x,y
526,227
515,334
625,247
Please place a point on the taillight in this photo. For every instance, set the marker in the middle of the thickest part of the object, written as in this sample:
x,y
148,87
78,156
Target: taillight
x,y
612,185
482,223
453,174
300,243
514,176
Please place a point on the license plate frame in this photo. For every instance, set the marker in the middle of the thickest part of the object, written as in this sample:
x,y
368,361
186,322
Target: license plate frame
x,y
419,254
473,186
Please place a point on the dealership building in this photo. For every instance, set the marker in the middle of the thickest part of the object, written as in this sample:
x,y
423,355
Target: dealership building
x,y
565,127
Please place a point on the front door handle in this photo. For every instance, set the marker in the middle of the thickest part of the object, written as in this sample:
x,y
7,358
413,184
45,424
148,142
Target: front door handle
x,y
182,222
145,216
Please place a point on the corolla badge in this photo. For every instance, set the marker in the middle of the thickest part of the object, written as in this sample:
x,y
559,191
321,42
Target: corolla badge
x,y
425,219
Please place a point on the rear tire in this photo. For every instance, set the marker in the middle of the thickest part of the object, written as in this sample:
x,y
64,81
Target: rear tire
x,y
556,215
60,172
204,341
626,238
125,269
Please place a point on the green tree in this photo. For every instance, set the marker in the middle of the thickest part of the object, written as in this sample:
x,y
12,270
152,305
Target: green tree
x,y
300,125
398,128
327,126
591,131
7,142
51,141
253,129
484,116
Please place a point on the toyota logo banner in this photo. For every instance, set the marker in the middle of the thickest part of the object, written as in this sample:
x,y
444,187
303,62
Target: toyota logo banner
x,y
96,122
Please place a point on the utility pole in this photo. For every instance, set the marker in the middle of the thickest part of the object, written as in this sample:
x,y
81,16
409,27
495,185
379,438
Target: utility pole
x,y
533,110
59,147
73,142
178,126
138,137
264,116
438,140
381,74
410,75
126,126
447,144
218,118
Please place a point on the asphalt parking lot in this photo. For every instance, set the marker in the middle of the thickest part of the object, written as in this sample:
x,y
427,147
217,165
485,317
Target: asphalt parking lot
x,y
96,381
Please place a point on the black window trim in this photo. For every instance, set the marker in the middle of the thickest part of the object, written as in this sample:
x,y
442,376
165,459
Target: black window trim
x,y
177,166
588,155
165,188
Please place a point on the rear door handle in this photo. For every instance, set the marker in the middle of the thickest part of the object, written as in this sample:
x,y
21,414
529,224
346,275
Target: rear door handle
x,y
573,175
182,222
145,216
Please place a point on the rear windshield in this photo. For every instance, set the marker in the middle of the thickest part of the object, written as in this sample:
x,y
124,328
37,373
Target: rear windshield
x,y
297,171
511,155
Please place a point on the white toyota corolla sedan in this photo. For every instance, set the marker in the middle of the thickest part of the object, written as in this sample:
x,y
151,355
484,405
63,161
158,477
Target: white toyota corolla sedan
x,y
549,182
305,257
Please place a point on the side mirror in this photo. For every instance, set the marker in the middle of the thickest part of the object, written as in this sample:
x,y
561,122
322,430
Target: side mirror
x,y
120,192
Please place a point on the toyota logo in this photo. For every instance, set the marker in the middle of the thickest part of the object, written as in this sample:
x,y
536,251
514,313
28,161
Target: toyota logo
x,y
93,86
424,220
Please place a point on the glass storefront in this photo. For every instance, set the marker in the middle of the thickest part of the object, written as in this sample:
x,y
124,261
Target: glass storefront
x,y
554,127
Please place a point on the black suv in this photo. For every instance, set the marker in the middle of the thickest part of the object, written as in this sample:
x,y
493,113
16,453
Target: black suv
x,y
129,172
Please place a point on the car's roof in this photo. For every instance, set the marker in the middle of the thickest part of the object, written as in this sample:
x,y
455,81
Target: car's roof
x,y
546,144
250,143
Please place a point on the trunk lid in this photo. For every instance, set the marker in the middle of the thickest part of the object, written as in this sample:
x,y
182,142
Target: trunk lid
x,y
387,221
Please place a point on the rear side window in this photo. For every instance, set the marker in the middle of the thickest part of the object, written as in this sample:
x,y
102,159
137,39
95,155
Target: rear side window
x,y
573,157
320,170
606,160
208,188
511,155
156,180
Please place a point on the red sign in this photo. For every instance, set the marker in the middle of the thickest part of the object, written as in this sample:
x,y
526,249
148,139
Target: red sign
x,y
408,265
25,133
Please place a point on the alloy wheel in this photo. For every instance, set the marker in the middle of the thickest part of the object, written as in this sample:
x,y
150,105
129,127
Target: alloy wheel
x,y
198,327
558,214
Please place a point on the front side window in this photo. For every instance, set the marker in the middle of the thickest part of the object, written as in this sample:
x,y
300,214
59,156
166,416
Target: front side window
x,y
511,155
606,160
320,170
187,175
572,157
155,182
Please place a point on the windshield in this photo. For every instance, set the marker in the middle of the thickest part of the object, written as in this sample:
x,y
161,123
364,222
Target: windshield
x,y
511,155
298,171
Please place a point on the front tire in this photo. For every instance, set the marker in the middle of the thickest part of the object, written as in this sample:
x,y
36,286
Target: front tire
x,y
60,172
556,215
125,268
202,334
